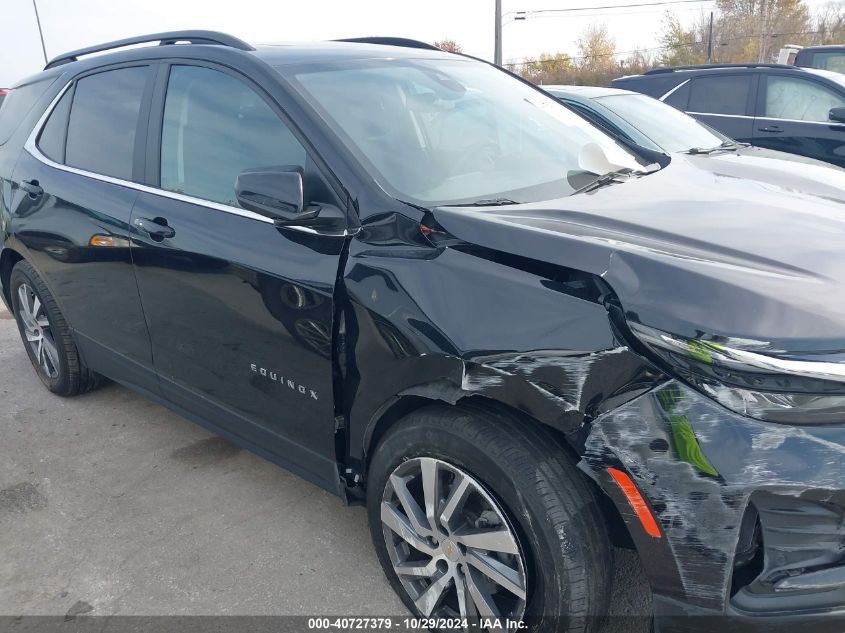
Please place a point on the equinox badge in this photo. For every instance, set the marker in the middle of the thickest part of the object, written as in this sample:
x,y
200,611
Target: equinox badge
x,y
275,377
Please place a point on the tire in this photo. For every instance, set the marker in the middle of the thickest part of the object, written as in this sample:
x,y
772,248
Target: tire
x,y
544,502
46,335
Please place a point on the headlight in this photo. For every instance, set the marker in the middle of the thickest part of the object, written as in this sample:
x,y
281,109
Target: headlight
x,y
740,375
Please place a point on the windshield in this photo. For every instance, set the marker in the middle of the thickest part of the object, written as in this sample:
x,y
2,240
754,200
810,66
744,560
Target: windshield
x,y
671,129
442,131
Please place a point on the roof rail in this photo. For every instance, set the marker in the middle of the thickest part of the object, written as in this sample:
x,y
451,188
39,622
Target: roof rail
x,y
171,37
391,41
671,69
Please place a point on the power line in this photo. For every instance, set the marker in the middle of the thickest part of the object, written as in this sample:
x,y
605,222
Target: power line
x,y
615,14
659,3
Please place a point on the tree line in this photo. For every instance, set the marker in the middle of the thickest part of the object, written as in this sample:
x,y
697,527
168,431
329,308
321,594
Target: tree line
x,y
742,31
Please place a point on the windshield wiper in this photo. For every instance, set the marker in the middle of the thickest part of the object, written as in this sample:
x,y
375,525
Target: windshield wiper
x,y
485,202
726,146
620,175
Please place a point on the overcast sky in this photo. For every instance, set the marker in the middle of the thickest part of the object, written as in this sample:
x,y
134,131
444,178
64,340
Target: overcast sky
x,y
70,24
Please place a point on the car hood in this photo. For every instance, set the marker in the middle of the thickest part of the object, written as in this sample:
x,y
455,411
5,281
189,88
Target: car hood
x,y
789,171
695,249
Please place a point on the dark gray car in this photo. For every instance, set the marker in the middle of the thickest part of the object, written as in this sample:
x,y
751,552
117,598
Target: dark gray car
x,y
796,110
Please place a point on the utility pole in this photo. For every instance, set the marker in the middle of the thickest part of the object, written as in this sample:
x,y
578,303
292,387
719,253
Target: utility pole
x,y
497,35
40,32
710,41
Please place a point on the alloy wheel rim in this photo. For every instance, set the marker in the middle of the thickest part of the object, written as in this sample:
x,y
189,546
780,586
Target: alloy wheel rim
x,y
37,330
451,545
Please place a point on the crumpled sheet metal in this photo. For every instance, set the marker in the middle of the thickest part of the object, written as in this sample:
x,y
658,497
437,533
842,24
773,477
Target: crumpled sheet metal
x,y
699,494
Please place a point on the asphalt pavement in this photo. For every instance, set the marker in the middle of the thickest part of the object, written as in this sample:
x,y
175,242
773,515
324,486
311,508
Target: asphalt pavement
x,y
112,505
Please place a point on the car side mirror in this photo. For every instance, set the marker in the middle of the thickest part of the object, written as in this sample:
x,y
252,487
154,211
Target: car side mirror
x,y
275,192
278,193
837,114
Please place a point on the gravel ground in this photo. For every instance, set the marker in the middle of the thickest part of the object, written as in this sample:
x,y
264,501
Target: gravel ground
x,y
112,505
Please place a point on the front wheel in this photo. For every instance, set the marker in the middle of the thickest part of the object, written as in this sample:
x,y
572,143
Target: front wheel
x,y
479,518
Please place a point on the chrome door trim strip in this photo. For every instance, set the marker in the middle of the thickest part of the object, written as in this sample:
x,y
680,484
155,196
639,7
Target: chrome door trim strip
x,y
767,118
730,116
772,118
668,94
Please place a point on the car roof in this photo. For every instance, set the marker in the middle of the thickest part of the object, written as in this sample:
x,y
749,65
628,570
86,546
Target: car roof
x,y
274,54
824,47
286,53
589,92
686,71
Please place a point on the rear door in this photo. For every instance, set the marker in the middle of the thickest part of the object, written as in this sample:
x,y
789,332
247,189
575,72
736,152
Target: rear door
x,y
77,181
725,102
240,312
794,117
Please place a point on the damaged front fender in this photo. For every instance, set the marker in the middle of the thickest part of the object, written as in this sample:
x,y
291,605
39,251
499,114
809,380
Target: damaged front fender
x,y
444,324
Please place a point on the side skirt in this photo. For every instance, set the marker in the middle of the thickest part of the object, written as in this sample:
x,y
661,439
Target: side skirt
x,y
297,459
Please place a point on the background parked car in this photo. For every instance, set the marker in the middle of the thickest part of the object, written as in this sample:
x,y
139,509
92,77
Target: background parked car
x,y
640,119
654,125
797,110
824,57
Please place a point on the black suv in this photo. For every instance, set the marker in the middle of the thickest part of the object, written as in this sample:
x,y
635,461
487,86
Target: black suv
x,y
422,283
797,110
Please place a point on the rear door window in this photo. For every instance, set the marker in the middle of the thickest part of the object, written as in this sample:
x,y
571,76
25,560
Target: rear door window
x,y
104,121
720,94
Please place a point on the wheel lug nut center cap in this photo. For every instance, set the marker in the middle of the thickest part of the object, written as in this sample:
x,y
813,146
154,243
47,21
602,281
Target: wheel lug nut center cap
x,y
450,549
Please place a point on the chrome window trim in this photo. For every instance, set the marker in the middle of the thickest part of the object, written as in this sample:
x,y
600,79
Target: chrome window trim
x,y
31,146
730,116
772,118
766,118
680,85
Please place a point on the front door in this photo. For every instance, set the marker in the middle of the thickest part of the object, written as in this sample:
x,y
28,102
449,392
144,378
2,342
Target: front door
x,y
240,312
794,117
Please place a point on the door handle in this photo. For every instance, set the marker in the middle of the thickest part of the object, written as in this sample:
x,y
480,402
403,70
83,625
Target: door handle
x,y
772,129
32,189
156,228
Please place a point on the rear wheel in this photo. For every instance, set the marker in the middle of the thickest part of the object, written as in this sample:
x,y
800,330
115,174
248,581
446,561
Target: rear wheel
x,y
481,517
46,335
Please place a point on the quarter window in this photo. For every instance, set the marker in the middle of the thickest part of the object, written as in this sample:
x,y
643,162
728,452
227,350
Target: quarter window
x,y
104,120
725,94
51,141
678,97
216,127
799,99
